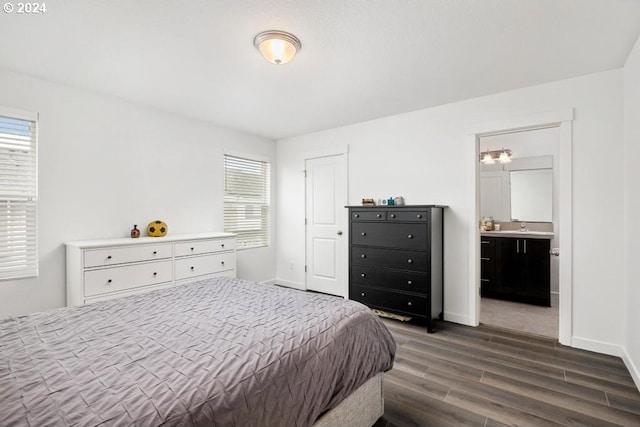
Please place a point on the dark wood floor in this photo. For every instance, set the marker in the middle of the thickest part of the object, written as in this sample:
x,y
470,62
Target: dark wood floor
x,y
485,376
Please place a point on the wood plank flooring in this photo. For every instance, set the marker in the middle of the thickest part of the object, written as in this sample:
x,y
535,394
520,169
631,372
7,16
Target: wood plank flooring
x,y
463,376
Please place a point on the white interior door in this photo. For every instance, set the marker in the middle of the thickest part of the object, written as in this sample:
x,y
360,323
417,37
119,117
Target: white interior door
x,y
326,197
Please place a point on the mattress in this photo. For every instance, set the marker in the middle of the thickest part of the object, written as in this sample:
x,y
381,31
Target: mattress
x,y
220,352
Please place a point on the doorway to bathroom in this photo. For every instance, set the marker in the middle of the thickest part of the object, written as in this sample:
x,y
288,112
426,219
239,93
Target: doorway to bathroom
x,y
523,207
519,278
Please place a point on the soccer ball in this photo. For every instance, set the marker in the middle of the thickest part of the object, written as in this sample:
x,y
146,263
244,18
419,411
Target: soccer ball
x,y
157,228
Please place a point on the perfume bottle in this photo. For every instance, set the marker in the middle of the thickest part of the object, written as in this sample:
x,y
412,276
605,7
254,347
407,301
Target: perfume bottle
x,y
135,233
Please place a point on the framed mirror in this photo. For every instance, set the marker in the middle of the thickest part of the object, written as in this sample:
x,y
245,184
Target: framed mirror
x,y
531,195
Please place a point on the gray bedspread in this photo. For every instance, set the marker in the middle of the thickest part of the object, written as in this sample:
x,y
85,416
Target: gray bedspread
x,y
220,352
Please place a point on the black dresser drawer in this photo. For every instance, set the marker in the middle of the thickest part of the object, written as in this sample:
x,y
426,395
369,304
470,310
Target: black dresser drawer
x,y
389,258
407,216
395,301
401,235
368,215
407,281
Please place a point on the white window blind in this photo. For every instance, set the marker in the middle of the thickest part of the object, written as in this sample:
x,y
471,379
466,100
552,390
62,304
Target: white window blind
x,y
246,201
18,197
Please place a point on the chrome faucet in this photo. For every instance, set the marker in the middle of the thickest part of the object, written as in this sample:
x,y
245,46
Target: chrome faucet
x,y
523,226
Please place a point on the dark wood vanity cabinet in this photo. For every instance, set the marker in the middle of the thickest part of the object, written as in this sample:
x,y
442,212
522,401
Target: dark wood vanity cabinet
x,y
516,269
395,259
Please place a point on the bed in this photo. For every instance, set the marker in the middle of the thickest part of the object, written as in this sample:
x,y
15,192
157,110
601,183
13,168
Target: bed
x,y
219,352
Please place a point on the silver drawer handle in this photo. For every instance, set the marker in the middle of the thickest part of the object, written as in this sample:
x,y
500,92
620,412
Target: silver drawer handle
x,y
419,216
393,215
356,216
362,294
410,261
409,303
363,256
410,236
364,234
378,216
409,282
485,280
363,275
485,259
484,242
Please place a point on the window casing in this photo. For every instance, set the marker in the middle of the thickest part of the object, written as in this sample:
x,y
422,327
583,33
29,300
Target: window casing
x,y
18,196
246,201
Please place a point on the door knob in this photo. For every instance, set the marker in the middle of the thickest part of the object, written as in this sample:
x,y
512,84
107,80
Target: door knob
x,y
339,233
555,252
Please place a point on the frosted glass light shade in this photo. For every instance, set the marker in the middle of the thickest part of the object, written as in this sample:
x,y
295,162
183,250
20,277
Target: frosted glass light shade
x,y
504,157
487,159
277,47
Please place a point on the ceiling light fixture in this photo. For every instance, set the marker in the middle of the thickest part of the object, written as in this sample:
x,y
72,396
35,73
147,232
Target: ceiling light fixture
x,y
489,157
277,47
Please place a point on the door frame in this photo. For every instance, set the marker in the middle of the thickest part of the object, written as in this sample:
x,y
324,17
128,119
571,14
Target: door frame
x,y
329,152
562,119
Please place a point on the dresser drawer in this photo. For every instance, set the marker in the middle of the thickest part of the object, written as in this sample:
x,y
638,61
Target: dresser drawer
x,y
389,258
401,235
393,301
122,255
369,215
198,247
390,279
97,282
412,216
205,264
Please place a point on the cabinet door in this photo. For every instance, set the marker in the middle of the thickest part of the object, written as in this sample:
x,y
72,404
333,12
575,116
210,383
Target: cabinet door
x,y
536,269
509,254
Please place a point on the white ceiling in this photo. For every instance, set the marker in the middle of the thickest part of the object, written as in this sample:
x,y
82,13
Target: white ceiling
x,y
360,59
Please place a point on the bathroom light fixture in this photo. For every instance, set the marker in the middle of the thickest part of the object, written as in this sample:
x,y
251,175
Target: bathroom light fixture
x,y
277,47
489,157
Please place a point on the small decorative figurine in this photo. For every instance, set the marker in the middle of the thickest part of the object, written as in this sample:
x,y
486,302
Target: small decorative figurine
x,y
135,233
157,228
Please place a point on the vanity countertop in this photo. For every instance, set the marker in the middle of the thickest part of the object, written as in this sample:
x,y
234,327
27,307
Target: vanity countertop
x,y
517,233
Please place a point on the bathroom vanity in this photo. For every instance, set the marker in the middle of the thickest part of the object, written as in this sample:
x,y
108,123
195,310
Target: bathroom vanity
x,y
515,266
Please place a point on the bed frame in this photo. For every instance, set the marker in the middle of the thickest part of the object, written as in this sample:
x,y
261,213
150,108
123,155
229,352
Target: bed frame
x,y
362,408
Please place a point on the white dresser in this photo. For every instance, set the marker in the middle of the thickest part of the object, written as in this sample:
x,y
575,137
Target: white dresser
x,y
109,268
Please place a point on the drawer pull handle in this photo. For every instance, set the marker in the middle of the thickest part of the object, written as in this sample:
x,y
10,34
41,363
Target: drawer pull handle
x,y
409,304
485,280
419,215
378,216
109,257
222,245
155,274
393,215
191,248
410,261
155,252
356,216
222,262
192,268
362,294
410,236
364,234
363,256
363,275
485,259
484,242
109,281
409,282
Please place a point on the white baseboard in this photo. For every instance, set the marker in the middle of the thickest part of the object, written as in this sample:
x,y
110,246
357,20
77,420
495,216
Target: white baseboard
x,y
294,285
457,318
597,346
633,369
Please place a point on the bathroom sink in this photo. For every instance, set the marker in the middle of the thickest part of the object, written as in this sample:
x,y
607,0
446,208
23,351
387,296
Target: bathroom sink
x,y
518,233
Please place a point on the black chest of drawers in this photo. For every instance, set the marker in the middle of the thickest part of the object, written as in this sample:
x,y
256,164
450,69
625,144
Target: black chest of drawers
x,y
396,259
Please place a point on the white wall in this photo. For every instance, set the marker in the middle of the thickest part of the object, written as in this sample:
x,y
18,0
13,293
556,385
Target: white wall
x,y
425,157
105,165
632,207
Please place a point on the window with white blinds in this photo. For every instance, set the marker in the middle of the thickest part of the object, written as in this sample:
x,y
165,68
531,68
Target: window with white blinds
x,y
246,201
18,198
